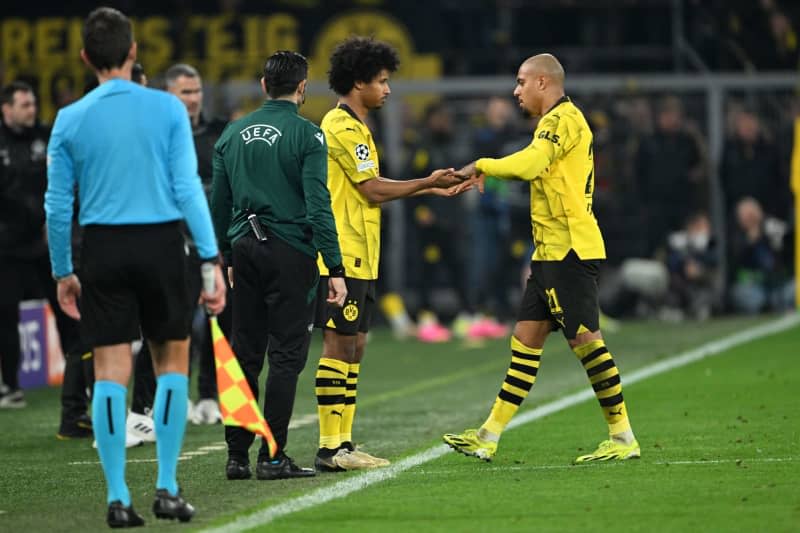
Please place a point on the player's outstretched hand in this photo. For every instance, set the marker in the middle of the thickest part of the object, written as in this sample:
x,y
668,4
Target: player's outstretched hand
x,y
68,292
337,291
215,302
473,178
477,181
467,171
444,178
455,190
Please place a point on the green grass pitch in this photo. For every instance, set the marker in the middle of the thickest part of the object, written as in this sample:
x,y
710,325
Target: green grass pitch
x,y
719,444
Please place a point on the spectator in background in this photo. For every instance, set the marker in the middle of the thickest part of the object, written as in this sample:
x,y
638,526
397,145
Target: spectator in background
x,y
618,128
138,75
439,224
750,35
24,265
491,224
751,167
784,50
669,173
679,284
759,280
692,264
23,144
184,81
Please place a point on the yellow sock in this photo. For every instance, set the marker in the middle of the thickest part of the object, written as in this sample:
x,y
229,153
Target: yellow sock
x,y
350,403
330,387
604,377
519,379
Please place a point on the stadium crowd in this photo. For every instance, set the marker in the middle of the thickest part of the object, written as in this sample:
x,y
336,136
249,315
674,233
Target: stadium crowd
x,y
654,200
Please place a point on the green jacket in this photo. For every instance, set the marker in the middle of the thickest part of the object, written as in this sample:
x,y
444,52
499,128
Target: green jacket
x,y
274,163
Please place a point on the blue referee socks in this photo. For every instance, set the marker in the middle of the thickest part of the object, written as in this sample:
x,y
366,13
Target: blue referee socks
x,y
169,415
108,421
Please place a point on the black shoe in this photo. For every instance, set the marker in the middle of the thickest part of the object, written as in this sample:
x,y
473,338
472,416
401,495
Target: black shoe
x,y
171,507
282,467
237,470
78,428
84,421
70,431
121,516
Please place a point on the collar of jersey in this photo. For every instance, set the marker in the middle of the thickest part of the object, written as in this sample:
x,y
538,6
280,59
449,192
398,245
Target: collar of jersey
x,y
278,104
560,101
347,109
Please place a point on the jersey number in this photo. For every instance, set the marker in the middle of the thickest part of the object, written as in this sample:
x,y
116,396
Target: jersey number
x,y
589,183
589,190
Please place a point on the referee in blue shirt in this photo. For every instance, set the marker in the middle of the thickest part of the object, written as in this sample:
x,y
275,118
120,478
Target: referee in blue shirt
x,y
129,149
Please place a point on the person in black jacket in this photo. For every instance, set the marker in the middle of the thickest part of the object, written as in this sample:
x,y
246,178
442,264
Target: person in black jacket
x,y
670,177
184,81
24,264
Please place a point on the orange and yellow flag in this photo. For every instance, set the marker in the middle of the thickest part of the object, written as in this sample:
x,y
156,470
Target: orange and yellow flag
x,y
236,401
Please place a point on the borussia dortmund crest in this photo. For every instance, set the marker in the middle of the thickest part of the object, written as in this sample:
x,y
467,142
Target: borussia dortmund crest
x,y
350,312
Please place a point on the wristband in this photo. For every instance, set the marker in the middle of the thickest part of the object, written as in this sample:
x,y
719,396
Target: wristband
x,y
336,272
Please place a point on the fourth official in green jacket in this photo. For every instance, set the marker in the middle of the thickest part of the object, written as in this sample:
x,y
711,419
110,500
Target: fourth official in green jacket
x,y
272,214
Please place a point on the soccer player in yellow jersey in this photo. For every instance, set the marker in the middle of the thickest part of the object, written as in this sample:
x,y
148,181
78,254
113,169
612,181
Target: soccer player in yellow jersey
x,y
359,74
561,292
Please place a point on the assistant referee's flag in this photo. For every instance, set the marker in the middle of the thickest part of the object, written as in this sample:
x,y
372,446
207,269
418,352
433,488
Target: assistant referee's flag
x,y
236,401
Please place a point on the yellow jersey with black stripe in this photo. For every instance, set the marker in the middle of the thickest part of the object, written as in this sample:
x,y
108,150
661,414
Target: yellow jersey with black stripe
x,y
559,163
352,159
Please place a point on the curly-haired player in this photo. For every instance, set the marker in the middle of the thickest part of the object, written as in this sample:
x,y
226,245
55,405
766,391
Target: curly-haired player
x,y
359,74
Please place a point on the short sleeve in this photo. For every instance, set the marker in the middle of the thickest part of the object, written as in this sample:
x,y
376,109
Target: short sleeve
x,y
350,148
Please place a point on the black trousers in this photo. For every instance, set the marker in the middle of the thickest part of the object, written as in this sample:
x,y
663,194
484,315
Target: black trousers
x,y
273,314
30,278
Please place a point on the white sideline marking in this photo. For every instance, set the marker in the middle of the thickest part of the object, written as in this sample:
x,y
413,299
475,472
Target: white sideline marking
x,y
362,481
303,420
202,450
128,461
213,448
297,422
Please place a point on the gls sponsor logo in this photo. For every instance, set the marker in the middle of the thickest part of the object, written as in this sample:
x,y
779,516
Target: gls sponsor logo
x,y
552,137
260,132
